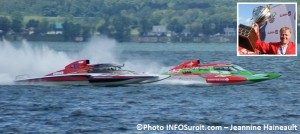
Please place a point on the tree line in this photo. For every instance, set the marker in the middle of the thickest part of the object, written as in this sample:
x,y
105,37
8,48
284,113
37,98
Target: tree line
x,y
15,25
121,19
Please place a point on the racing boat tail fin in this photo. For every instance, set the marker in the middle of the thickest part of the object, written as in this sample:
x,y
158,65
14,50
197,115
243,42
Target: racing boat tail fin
x,y
187,64
80,66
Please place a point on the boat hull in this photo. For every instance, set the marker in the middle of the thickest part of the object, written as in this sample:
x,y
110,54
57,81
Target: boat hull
x,y
221,79
91,79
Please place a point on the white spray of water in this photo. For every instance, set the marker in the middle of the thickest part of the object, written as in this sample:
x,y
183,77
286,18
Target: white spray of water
x,y
183,82
99,50
26,59
145,66
41,60
103,50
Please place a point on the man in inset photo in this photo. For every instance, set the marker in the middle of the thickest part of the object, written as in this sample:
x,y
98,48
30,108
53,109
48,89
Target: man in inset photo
x,y
284,47
267,29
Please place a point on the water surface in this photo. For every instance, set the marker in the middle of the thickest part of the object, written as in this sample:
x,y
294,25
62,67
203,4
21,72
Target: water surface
x,y
94,109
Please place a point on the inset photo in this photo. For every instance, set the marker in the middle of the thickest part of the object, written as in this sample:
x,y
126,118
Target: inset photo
x,y
267,29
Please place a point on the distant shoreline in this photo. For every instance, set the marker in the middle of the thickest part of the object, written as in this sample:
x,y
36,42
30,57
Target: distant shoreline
x,y
152,39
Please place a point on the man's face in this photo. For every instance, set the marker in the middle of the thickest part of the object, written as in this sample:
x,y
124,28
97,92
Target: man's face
x,y
285,36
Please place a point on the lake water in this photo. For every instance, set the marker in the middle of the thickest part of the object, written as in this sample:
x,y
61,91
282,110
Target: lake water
x,y
94,109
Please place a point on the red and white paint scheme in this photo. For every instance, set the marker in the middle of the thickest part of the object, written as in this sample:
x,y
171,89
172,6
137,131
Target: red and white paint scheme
x,y
81,72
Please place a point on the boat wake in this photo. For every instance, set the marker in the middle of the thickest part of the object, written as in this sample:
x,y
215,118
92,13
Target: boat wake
x,y
37,59
23,58
171,81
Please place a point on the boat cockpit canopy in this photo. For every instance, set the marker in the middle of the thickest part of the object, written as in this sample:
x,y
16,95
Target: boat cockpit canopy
x,y
232,68
105,68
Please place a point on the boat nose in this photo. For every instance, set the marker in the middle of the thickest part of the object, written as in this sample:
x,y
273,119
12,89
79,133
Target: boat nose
x,y
273,75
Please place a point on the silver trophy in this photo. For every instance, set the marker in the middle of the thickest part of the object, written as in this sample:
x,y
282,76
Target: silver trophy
x,y
261,14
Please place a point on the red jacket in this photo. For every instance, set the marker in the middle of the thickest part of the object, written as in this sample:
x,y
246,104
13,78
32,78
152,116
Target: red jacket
x,y
272,47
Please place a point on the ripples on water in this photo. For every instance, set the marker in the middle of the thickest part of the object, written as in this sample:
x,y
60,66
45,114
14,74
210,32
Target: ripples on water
x,y
93,109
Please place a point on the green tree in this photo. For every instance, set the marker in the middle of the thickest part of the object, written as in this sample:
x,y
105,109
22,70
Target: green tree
x,y
17,22
43,26
4,24
50,10
121,28
144,26
175,26
117,27
86,33
104,28
71,30
32,23
16,26
200,16
196,28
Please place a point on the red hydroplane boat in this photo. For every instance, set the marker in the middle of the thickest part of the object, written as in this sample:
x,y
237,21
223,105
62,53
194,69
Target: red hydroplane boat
x,y
81,72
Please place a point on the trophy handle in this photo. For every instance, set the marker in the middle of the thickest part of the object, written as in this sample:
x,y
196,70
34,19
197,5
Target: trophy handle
x,y
247,37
